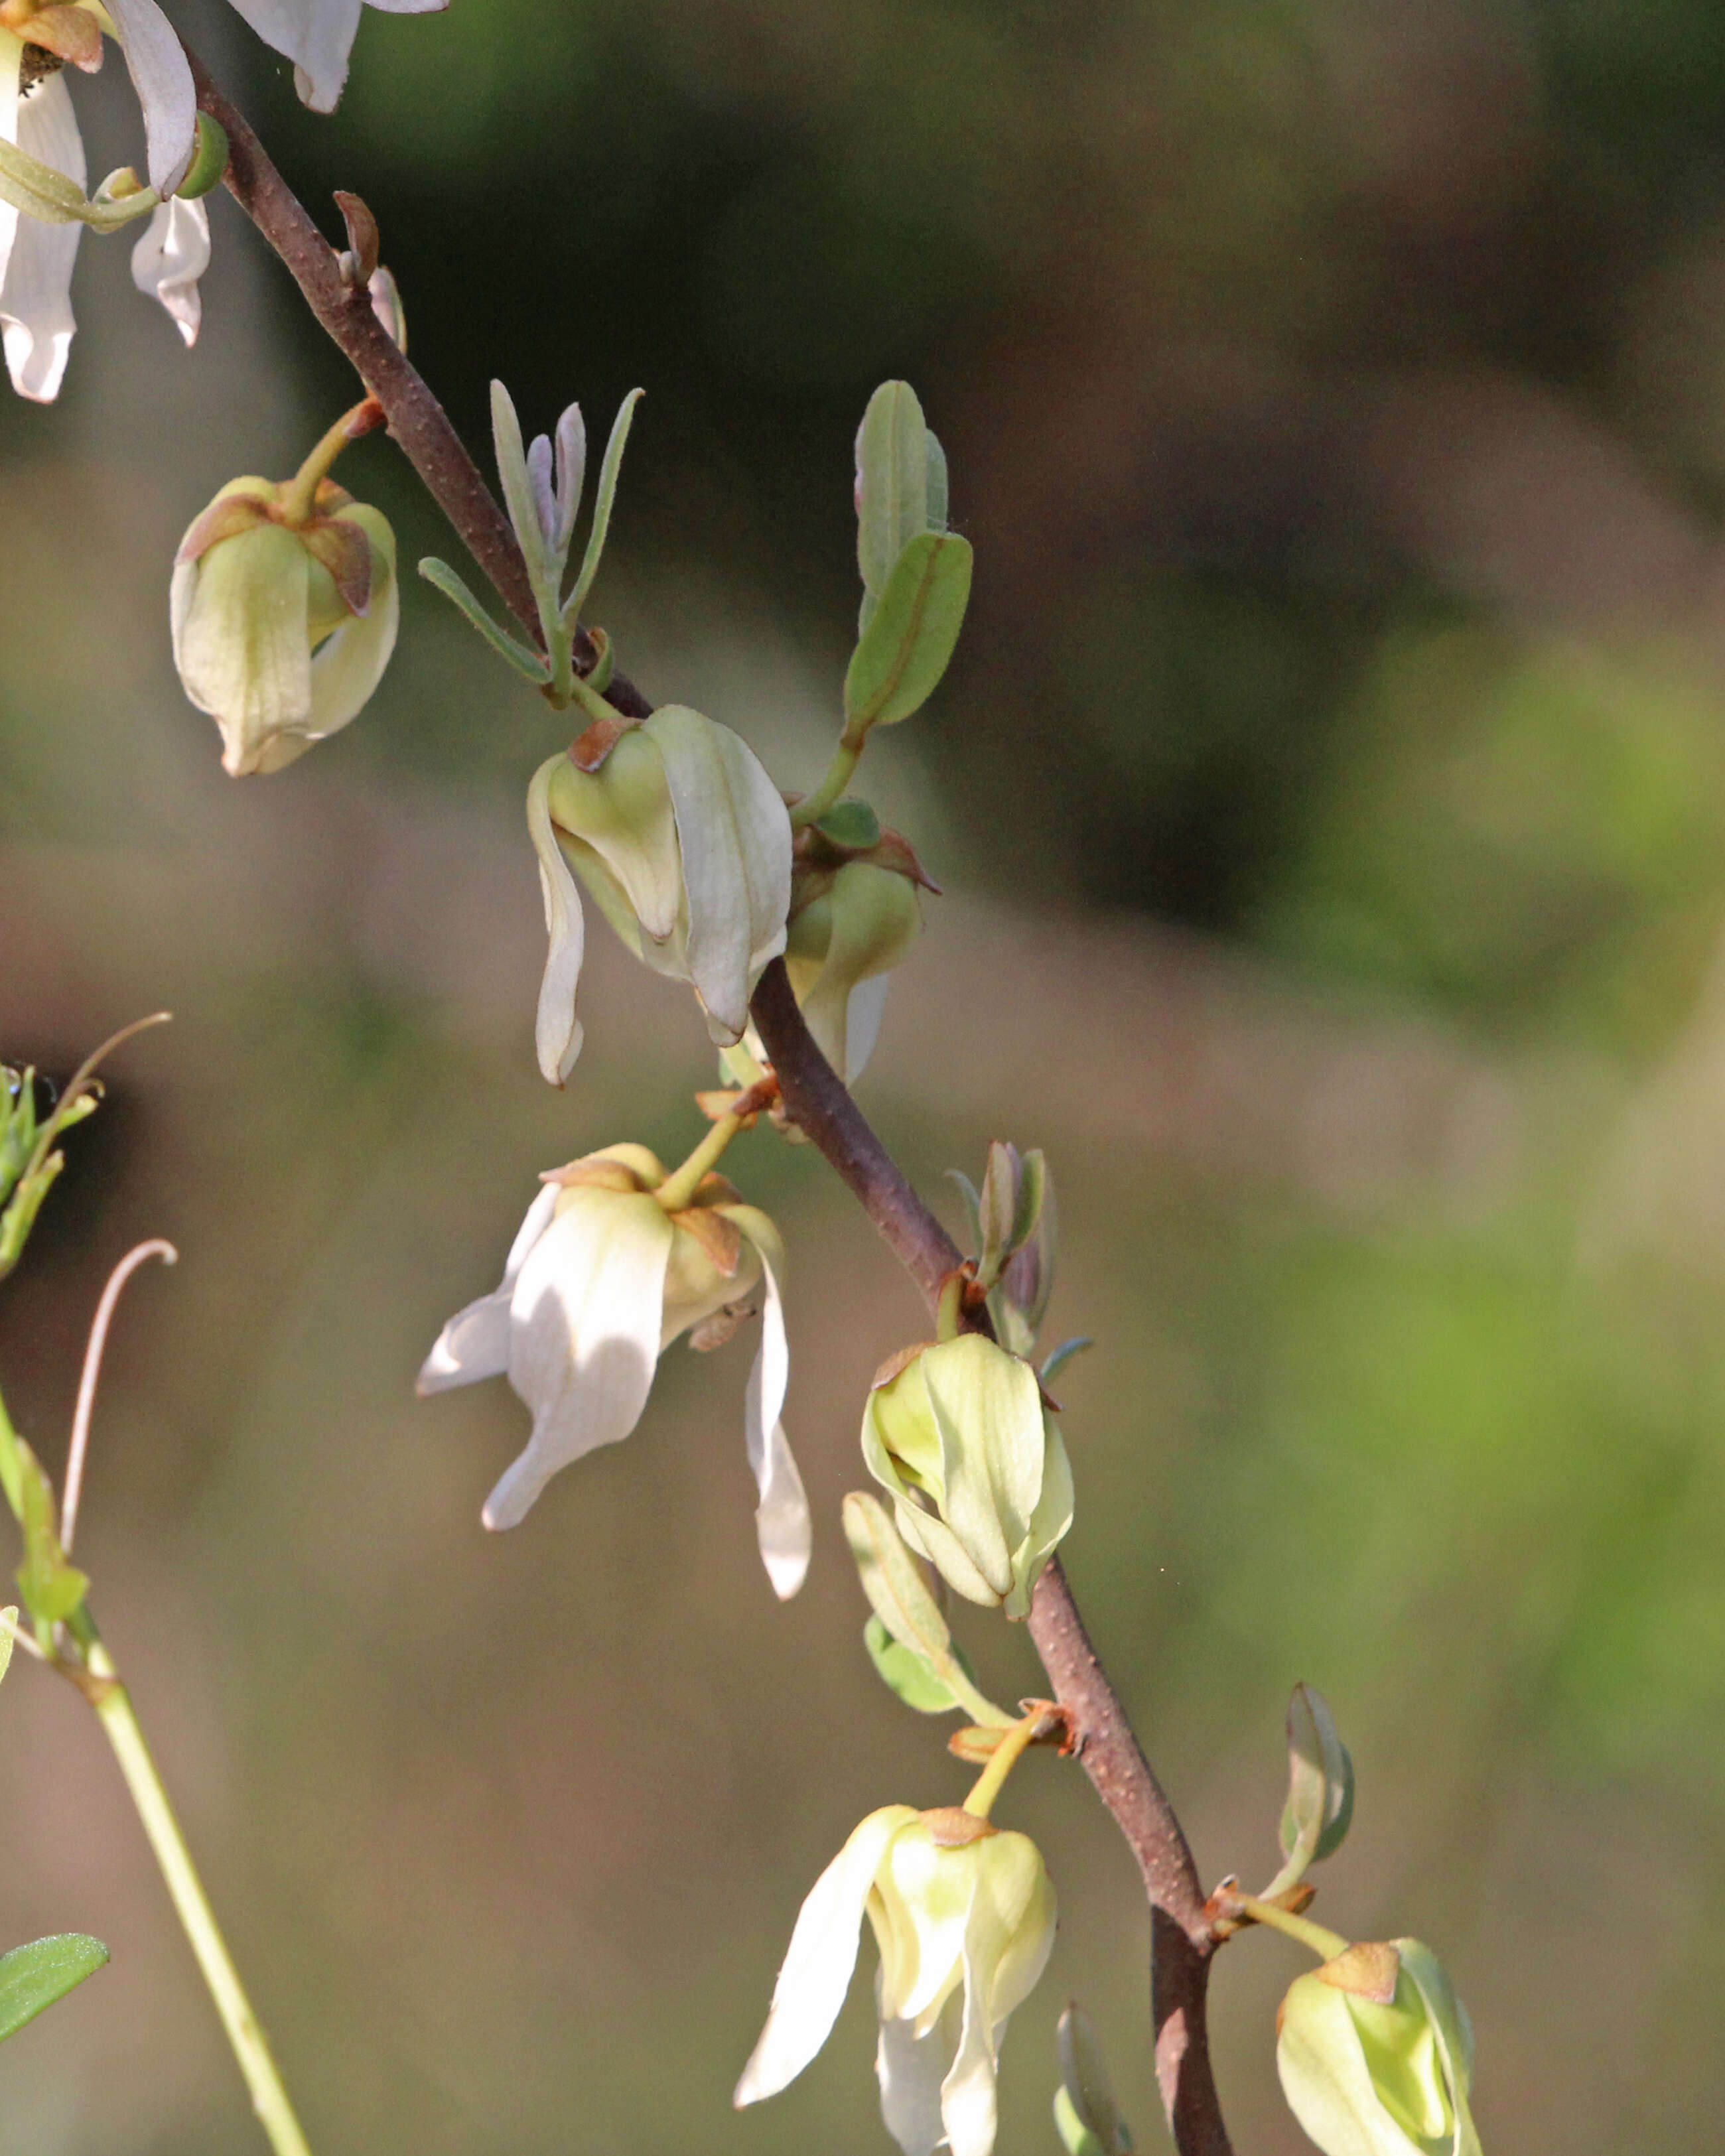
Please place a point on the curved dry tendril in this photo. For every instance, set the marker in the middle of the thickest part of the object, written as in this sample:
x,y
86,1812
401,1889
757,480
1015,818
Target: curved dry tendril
x,y
91,1377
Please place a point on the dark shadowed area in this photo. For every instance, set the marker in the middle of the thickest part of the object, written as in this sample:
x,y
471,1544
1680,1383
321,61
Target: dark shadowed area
x,y
1330,800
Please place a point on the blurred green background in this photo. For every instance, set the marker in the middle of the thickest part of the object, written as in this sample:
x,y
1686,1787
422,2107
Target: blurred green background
x,y
1331,800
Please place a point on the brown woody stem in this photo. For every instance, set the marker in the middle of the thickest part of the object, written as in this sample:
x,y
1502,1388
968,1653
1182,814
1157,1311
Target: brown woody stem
x,y
417,420
1181,1943
1181,1940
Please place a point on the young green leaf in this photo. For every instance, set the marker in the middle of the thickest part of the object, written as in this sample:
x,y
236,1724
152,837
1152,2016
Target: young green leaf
x,y
1089,2121
8,1627
902,653
50,1588
442,577
906,1609
907,1672
1319,1809
892,476
609,470
33,1976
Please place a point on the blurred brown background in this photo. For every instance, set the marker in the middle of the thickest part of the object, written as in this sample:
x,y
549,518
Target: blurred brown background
x,y
1329,798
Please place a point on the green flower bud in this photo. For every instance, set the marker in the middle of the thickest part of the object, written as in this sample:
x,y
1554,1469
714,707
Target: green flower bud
x,y
841,946
1376,2055
282,630
975,1465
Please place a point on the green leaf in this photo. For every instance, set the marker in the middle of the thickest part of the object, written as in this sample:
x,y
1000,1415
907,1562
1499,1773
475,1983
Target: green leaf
x,y
1319,1809
907,1611
903,1671
973,1203
902,653
892,474
33,1977
1089,2120
8,1627
937,511
532,663
603,503
49,1587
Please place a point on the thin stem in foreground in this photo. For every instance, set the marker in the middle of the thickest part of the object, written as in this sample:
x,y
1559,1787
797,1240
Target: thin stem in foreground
x,y
119,1722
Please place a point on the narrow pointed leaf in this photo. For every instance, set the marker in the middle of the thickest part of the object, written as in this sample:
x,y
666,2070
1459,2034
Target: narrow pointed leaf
x,y
517,486
444,578
902,653
9,1629
33,1976
972,1205
998,1207
602,502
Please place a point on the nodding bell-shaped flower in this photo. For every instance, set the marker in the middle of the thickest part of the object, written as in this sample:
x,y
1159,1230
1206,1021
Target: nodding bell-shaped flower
x,y
283,624
1376,2055
963,1914
317,36
602,1278
959,1435
684,844
854,915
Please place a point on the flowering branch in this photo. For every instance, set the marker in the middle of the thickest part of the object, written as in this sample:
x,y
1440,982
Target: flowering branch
x,y
415,418
1183,1942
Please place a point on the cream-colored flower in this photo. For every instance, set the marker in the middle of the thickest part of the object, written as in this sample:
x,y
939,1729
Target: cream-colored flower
x,y
963,1915
975,1465
282,629
599,1282
1376,2055
684,844
37,117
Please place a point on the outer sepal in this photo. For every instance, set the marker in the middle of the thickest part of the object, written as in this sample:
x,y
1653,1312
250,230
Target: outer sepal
x,y
1376,2055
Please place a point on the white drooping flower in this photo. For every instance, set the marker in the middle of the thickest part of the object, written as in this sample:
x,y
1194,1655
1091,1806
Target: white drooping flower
x,y
684,844
963,1914
282,624
600,1281
37,117
317,36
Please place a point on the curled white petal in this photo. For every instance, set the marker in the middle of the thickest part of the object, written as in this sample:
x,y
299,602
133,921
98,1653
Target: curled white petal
x,y
166,94
583,1340
475,1343
557,1030
36,297
910,2069
864,1010
819,1961
781,1521
171,255
735,837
